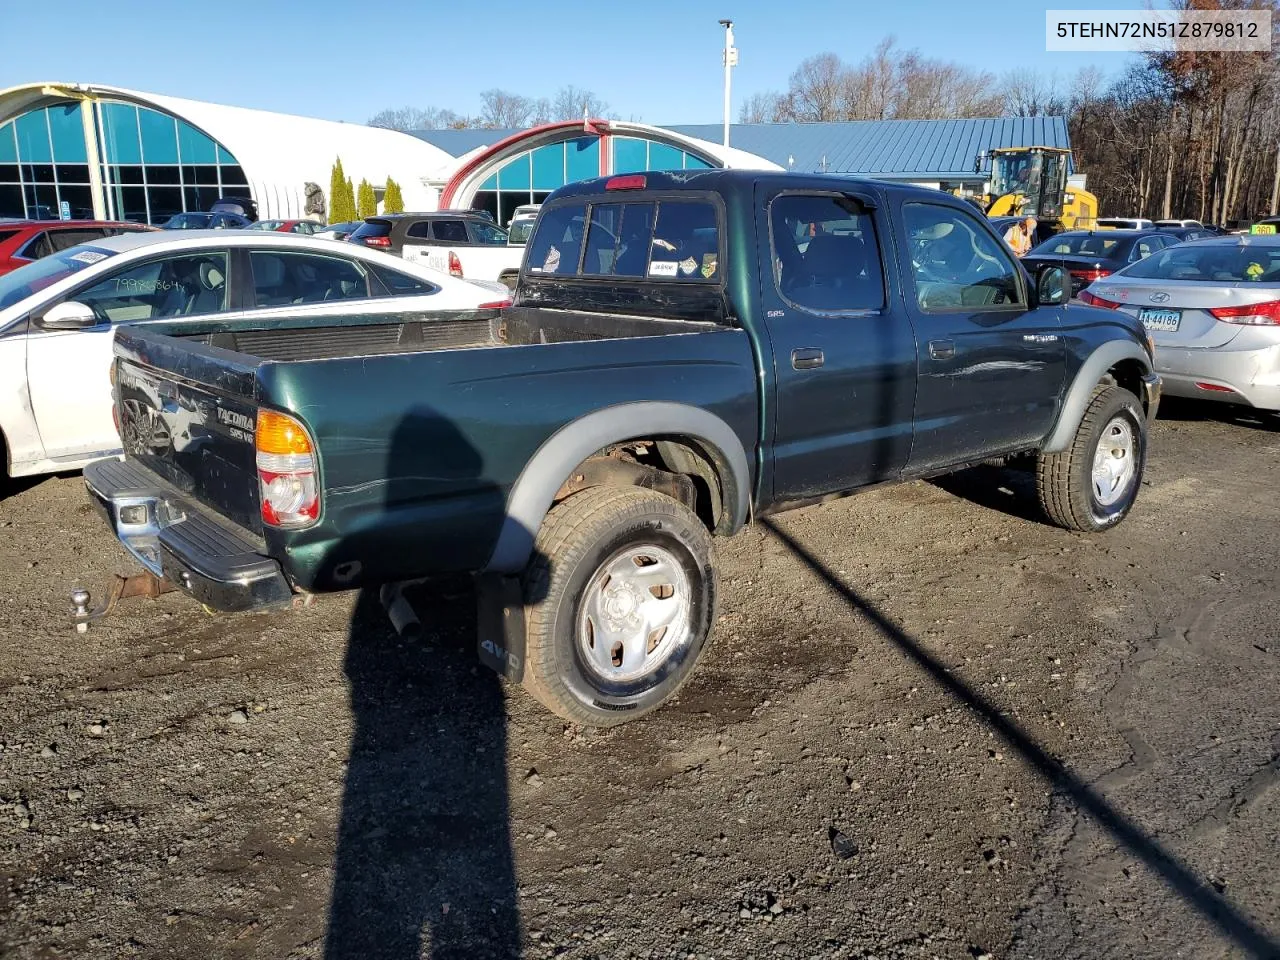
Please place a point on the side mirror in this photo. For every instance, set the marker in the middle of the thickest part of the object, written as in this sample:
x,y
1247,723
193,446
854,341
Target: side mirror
x,y
68,315
1051,286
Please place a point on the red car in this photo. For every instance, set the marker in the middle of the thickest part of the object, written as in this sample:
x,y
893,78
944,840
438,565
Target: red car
x,y
304,227
22,241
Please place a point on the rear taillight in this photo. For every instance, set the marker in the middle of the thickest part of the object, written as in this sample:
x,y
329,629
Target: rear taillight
x,y
1093,300
286,471
1088,276
494,305
455,265
382,243
1253,314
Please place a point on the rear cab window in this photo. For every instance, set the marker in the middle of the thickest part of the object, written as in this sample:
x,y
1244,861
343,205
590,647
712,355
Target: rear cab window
x,y
660,239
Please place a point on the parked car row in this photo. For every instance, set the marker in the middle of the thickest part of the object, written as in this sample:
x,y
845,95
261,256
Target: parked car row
x,y
58,315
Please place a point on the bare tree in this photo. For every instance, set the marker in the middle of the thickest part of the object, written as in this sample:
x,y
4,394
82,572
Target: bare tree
x,y
572,103
766,107
816,88
1029,93
504,110
415,118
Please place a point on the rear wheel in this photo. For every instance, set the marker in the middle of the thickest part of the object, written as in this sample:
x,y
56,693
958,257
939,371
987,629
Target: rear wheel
x,y
1092,485
620,596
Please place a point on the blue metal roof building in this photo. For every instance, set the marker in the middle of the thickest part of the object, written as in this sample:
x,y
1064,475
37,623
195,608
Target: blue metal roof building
x,y
927,151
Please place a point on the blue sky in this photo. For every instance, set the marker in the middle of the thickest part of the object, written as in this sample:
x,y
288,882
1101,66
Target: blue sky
x,y
658,61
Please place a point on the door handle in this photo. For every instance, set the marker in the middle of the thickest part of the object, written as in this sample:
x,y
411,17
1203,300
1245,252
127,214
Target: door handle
x,y
806,358
942,349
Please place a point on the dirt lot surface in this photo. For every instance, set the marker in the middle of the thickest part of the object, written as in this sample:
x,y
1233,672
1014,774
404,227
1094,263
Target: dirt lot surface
x,y
928,726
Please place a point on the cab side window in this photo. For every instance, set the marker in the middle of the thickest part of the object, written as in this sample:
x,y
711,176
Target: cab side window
x,y
825,255
956,264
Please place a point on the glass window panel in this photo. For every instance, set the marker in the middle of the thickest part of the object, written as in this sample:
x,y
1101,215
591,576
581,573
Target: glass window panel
x,y
200,198
224,155
72,173
165,202
663,157
557,240
11,201
487,200
285,278
131,203
233,174
825,254
630,155
514,174
129,174
42,201
695,163
686,242
195,146
37,172
59,240
582,159
958,265
33,137
491,183
8,145
9,173
159,136
184,285
80,199
201,176
548,167
67,130
164,176
120,133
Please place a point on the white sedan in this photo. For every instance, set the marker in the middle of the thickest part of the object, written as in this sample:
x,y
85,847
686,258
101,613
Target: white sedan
x,y
57,317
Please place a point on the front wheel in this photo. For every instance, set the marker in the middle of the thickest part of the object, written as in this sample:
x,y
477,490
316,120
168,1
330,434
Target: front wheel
x,y
620,599
1093,484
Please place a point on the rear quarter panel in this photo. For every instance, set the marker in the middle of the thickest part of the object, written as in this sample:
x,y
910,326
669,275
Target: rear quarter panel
x,y
418,452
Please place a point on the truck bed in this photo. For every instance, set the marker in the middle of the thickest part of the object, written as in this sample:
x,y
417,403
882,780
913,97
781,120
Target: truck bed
x,y
285,341
420,425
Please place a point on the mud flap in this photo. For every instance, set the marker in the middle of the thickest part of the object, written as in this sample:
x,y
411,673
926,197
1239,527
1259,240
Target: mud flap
x,y
500,636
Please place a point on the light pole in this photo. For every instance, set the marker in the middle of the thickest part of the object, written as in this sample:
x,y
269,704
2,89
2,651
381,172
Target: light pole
x,y
730,61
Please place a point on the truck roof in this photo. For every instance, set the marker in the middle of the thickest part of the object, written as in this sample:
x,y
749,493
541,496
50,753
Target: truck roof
x,y
731,180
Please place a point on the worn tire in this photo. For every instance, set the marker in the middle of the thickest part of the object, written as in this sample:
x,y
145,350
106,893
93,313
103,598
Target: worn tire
x,y
1065,481
579,539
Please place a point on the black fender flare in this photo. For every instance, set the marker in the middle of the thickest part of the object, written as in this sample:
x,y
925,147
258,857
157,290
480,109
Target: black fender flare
x,y
531,495
1091,372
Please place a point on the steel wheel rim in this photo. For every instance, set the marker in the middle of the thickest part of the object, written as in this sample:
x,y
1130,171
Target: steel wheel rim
x,y
635,614
1114,462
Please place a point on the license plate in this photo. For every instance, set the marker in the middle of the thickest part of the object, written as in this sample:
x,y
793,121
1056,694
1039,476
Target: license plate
x,y
1165,320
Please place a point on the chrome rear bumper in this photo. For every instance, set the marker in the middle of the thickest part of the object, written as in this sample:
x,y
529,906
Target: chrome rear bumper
x,y
174,537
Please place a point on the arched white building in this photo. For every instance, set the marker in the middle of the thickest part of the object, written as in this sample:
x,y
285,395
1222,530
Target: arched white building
x,y
111,153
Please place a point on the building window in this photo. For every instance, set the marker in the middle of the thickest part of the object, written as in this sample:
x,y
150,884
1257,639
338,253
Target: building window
x,y
153,165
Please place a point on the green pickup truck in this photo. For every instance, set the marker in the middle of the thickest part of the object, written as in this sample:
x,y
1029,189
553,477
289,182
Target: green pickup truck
x,y
684,350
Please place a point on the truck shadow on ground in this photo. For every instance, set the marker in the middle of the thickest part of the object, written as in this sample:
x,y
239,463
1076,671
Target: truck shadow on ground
x,y
1235,926
1009,490
424,864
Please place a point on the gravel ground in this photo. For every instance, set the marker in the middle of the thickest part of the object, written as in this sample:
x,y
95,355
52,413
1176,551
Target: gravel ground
x,y
928,726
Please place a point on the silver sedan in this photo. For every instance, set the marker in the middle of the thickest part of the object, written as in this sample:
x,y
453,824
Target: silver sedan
x,y
1213,309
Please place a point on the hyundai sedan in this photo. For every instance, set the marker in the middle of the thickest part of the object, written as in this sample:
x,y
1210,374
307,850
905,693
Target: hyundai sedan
x,y
1213,309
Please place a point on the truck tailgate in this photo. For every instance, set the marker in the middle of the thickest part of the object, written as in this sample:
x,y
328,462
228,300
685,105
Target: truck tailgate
x,y
188,413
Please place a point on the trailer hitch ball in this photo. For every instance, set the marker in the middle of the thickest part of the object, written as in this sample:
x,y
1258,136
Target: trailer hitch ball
x,y
80,604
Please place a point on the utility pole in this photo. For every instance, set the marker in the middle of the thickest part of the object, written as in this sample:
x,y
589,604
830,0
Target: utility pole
x,y
730,61
1275,189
